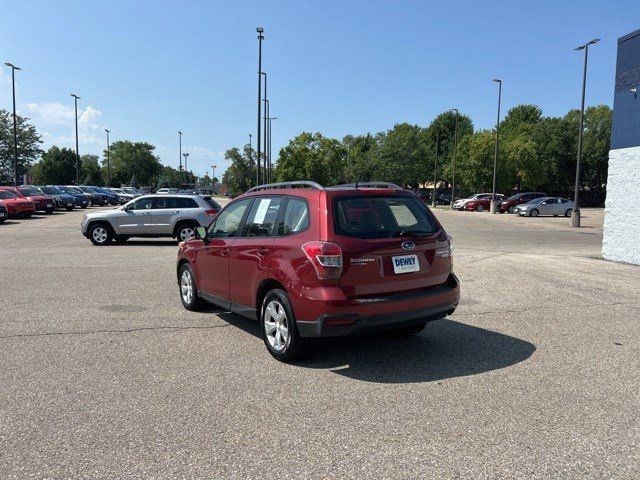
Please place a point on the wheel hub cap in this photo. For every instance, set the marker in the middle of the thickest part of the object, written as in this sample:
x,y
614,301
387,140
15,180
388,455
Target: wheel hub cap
x,y
100,235
186,287
276,325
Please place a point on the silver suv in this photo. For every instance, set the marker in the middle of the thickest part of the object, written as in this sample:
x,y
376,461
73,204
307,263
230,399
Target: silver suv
x,y
150,216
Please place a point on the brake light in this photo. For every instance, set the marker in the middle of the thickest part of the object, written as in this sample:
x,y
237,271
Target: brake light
x,y
326,258
211,212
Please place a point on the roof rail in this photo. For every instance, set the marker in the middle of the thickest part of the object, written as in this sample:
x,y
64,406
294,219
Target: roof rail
x,y
371,185
300,184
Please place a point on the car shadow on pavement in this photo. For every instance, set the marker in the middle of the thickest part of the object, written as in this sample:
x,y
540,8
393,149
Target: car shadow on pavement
x,y
146,243
444,349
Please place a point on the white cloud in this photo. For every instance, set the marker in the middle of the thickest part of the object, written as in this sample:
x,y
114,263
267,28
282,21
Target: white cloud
x,y
52,113
89,115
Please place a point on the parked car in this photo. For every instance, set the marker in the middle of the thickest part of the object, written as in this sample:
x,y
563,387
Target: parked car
x,y
112,198
42,203
150,216
81,199
546,206
131,191
4,213
123,196
308,261
164,191
61,199
17,206
483,203
461,203
96,199
442,198
509,205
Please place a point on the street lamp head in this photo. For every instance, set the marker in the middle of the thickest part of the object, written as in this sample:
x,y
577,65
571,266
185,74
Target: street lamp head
x,y
76,96
591,42
497,80
9,64
454,110
259,29
107,130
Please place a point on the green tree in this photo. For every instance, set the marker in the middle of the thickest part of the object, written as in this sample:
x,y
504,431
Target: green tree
x,y
90,172
404,156
238,177
57,167
362,163
596,145
28,145
134,160
312,157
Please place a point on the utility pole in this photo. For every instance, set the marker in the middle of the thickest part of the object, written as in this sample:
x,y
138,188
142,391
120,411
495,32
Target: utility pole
x,y
575,213
76,98
108,159
15,122
435,170
186,170
180,159
260,38
455,148
493,208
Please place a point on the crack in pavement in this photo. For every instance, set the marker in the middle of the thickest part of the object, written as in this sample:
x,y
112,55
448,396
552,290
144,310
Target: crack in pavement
x,y
91,332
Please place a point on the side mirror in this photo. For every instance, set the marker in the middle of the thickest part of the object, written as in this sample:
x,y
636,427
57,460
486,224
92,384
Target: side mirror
x,y
201,233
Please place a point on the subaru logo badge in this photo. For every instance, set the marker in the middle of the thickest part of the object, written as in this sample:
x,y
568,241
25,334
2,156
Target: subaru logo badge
x,y
408,245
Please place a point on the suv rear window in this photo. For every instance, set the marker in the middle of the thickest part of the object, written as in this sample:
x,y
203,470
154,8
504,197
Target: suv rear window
x,y
212,202
381,217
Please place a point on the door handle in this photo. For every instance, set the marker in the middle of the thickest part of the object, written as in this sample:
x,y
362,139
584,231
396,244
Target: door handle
x,y
263,251
176,211
145,213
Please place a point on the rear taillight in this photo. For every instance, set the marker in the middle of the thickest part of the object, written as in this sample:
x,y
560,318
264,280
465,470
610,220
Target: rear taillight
x,y
326,258
211,212
446,252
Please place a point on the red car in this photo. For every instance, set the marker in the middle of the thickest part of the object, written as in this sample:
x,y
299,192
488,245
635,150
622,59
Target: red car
x,y
308,261
17,207
481,204
43,203
509,205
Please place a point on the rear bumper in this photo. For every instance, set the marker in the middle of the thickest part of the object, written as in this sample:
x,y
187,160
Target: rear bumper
x,y
348,317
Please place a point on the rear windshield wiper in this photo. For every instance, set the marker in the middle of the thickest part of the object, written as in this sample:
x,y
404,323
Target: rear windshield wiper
x,y
411,233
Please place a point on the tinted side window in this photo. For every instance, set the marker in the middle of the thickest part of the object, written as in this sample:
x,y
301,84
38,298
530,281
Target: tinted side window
x,y
165,202
187,203
262,217
142,204
296,217
228,221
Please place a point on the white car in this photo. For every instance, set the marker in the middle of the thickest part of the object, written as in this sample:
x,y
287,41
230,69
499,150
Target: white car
x,y
122,195
460,204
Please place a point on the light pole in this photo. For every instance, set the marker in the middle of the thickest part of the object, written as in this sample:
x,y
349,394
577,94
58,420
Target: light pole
x,y
264,133
76,98
213,179
108,159
186,171
180,158
260,38
15,123
575,213
455,148
269,143
494,206
435,170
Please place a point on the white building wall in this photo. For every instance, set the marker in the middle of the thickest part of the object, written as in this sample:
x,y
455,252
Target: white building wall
x,y
621,241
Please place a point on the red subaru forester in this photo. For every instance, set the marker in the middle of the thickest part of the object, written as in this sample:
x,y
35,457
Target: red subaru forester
x,y
308,261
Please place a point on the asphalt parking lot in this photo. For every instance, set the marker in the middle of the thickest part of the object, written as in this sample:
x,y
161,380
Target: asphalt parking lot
x,y
104,374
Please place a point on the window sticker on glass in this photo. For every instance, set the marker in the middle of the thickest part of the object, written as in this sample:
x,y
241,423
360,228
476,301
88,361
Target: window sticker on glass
x,y
262,210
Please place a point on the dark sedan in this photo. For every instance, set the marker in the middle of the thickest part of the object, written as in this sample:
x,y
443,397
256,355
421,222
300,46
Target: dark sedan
x,y
81,199
61,199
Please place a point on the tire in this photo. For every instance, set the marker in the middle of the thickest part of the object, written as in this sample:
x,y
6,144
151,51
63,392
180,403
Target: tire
x,y
69,209
188,290
83,206
278,327
568,212
511,209
185,230
100,234
480,208
49,211
534,212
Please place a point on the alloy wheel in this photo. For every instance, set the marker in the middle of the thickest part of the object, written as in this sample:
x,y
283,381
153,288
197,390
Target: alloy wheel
x,y
186,233
186,287
100,234
276,326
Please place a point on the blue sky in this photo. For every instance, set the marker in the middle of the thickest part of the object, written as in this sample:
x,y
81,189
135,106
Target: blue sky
x,y
148,69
